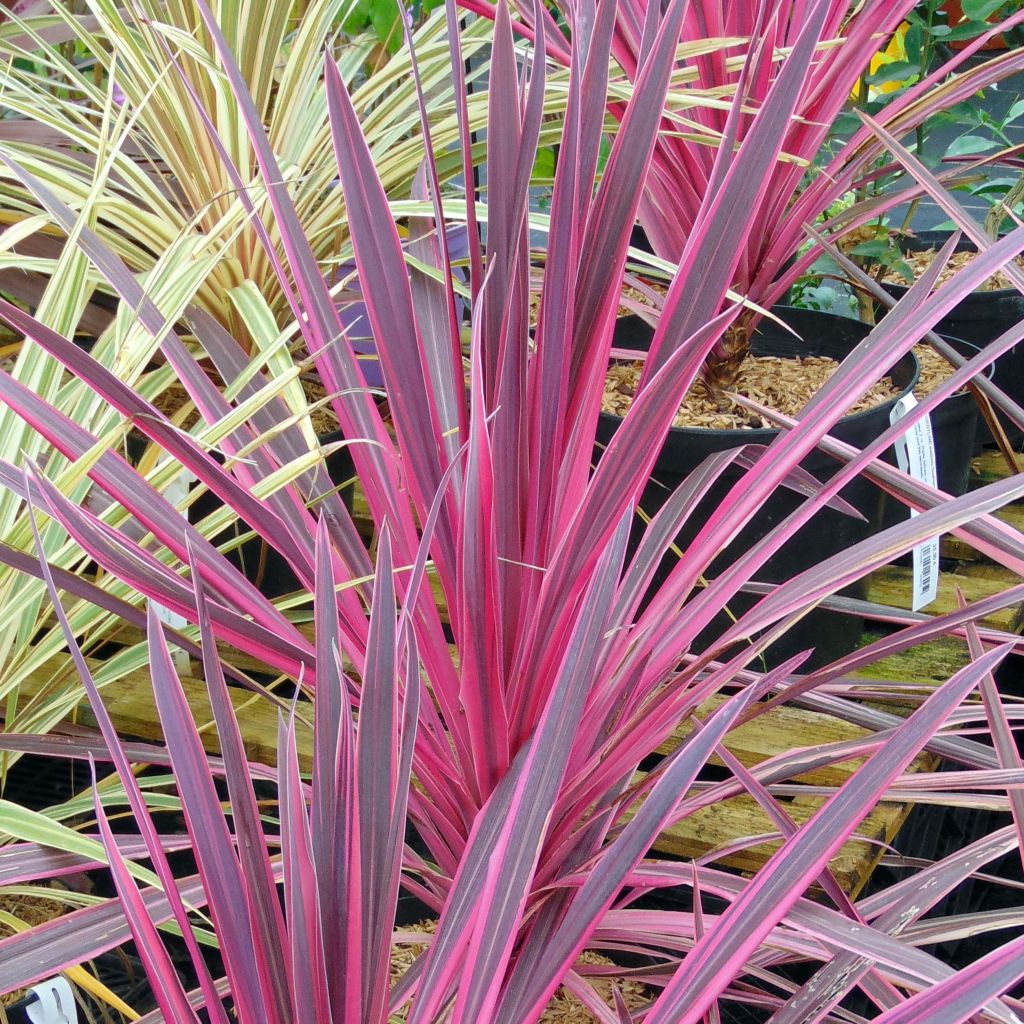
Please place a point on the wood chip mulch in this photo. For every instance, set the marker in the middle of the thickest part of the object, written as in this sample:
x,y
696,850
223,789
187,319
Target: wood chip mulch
x,y
323,419
934,370
563,1008
919,262
33,911
785,385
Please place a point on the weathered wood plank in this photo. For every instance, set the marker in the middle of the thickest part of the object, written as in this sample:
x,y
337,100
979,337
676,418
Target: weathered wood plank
x,y
955,547
933,662
129,702
778,731
891,585
785,729
725,823
990,466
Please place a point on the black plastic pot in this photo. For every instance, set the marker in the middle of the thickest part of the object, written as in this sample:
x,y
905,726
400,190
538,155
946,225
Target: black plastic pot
x,y
954,425
934,832
979,319
638,240
830,634
411,910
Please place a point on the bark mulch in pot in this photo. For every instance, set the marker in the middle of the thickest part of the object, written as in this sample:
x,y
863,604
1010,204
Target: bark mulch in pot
x,y
33,911
978,319
919,262
563,1008
934,370
783,384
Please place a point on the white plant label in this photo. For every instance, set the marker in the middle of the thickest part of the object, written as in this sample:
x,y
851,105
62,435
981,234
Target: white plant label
x,y
915,455
54,1003
175,493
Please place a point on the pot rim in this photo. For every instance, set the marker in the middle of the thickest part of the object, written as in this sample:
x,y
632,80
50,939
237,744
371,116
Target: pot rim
x,y
762,435
939,238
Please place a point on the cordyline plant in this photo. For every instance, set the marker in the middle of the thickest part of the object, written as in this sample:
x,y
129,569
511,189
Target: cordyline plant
x,y
107,106
123,114
509,731
796,191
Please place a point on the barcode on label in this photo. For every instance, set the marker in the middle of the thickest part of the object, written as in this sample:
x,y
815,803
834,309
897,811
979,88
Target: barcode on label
x,y
926,562
929,582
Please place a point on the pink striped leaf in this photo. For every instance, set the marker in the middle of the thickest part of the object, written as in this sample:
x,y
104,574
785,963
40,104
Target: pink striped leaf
x,y
34,955
309,990
160,972
478,923
267,920
315,312
122,483
23,862
777,886
246,952
385,285
138,807
605,881
957,999
151,577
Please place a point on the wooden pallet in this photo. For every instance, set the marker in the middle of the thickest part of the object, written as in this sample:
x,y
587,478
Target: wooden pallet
x,y
777,731
130,704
